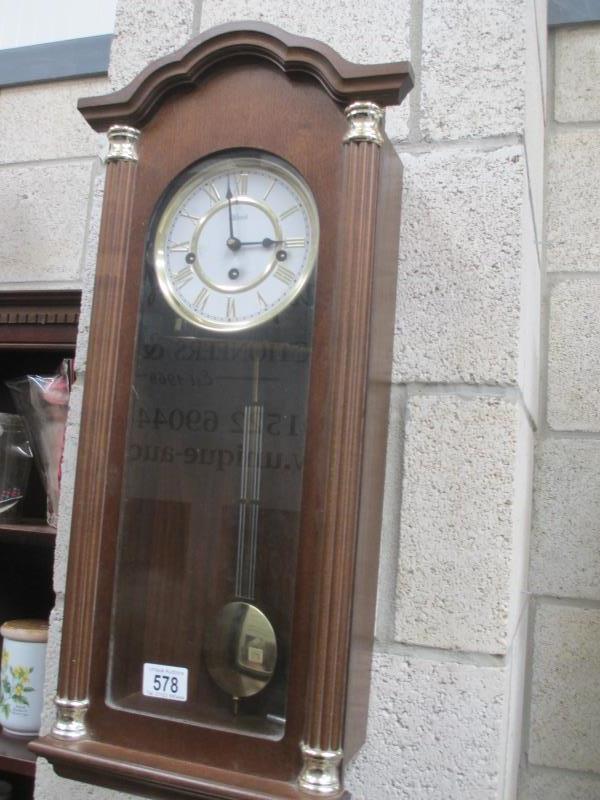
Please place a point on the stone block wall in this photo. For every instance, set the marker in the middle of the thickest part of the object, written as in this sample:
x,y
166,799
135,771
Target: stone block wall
x,y
48,162
562,715
449,667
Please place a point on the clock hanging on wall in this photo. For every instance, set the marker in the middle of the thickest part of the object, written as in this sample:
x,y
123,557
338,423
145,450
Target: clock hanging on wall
x,y
223,558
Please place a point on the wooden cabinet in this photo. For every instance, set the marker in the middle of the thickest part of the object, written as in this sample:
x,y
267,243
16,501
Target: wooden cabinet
x,y
37,330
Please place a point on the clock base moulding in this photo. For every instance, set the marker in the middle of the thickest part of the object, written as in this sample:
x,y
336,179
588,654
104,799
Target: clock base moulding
x,y
105,766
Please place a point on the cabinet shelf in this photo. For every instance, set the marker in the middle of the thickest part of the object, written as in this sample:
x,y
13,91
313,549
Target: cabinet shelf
x,y
33,531
15,757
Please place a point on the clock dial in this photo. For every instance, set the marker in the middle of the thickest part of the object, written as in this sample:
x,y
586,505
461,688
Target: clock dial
x,y
237,241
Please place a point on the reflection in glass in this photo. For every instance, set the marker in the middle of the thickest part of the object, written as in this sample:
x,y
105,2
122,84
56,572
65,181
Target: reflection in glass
x,y
208,535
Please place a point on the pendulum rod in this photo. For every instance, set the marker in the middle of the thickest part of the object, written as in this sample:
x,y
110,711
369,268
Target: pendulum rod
x,y
247,544
241,645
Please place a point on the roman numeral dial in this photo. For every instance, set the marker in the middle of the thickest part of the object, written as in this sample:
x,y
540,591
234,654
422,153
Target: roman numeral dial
x,y
237,242
285,275
183,277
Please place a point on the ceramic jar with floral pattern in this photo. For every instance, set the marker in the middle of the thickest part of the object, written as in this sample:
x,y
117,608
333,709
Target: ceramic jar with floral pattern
x,y
22,675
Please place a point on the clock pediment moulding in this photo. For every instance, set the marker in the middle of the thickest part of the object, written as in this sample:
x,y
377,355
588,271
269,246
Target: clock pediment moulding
x,y
344,81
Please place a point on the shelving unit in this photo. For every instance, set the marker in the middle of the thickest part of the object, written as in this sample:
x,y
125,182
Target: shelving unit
x,y
37,330
15,757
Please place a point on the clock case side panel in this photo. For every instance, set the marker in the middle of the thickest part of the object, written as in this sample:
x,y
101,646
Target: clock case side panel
x,y
381,345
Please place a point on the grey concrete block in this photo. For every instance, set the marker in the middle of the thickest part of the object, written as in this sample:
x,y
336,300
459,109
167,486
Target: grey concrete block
x,y
513,729
541,24
530,307
565,690
145,30
41,121
536,784
576,70
574,357
461,265
572,200
473,69
534,115
457,519
565,557
43,219
372,32
67,486
48,786
89,271
52,660
435,731
388,564
73,421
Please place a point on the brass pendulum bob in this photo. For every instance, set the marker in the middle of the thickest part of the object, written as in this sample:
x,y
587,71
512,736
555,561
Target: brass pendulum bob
x,y
240,646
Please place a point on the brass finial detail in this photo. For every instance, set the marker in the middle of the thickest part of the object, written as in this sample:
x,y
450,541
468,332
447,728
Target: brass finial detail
x,y
122,143
365,120
320,773
70,716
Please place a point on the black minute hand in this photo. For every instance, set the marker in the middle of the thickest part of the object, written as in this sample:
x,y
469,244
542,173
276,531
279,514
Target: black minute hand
x,y
232,242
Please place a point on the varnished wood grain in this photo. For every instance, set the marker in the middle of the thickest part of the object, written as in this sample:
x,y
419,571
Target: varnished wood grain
x,y
350,340
381,340
38,320
344,81
157,777
97,422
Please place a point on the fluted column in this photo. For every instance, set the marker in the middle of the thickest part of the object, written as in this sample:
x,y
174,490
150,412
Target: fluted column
x,y
327,681
73,682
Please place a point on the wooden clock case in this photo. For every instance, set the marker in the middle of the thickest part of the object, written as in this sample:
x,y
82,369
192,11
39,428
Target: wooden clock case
x,y
254,86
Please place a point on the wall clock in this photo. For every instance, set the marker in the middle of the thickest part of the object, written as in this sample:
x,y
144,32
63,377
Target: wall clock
x,y
224,546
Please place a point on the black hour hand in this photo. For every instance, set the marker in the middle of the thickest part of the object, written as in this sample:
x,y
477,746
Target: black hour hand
x,y
266,242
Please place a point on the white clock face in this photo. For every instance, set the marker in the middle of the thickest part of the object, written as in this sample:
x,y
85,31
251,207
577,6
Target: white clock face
x,y
237,242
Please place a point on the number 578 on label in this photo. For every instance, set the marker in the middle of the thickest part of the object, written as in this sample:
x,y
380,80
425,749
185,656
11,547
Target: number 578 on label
x,y
166,682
